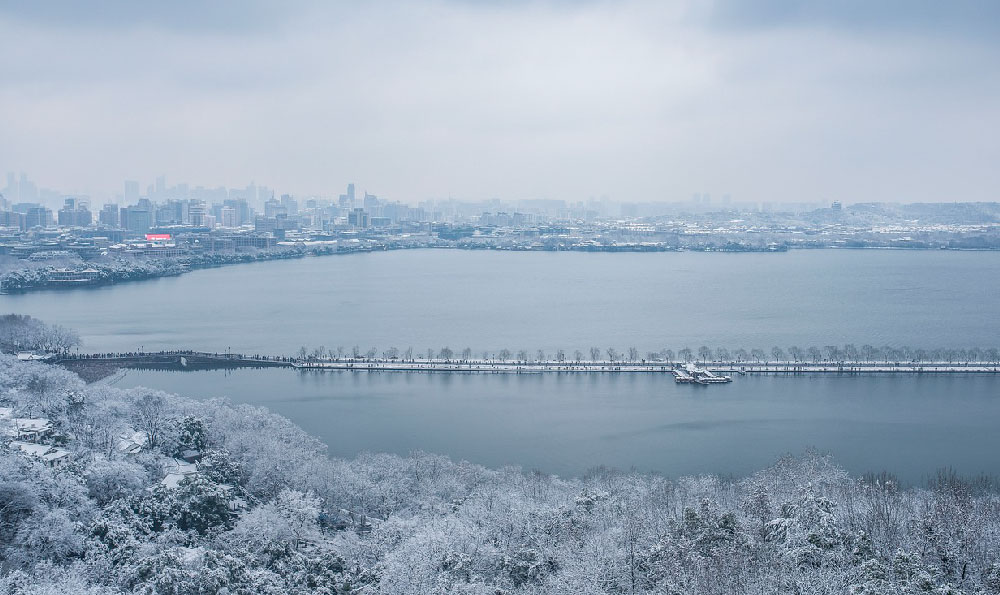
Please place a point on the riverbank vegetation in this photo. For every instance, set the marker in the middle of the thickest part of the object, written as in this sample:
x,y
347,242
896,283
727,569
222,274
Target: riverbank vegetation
x,y
162,494
849,353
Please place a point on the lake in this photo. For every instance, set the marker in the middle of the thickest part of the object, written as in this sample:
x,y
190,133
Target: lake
x,y
548,300
567,423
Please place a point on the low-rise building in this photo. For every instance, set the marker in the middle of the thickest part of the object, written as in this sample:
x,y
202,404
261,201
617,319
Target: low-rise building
x,y
52,456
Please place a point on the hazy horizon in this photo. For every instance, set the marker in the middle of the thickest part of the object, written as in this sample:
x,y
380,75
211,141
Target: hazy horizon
x,y
782,101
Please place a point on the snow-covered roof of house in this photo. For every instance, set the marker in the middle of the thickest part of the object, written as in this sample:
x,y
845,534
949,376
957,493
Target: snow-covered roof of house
x,y
172,480
32,424
6,412
43,451
179,466
176,470
55,454
131,442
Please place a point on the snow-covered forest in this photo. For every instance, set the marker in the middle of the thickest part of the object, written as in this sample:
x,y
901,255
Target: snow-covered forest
x,y
18,332
104,490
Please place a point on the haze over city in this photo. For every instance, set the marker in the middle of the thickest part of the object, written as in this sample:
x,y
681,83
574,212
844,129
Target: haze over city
x,y
778,101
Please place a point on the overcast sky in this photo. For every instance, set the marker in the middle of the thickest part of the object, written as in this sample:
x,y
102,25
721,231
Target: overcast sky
x,y
638,100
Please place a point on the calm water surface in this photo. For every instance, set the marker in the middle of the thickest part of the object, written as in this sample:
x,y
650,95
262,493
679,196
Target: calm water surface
x,y
568,423
522,300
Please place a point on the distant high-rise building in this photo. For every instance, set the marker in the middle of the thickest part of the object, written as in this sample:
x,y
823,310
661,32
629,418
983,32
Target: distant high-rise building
x,y
197,213
37,216
836,206
350,194
228,217
26,189
109,215
131,191
161,185
10,191
74,214
358,218
11,219
290,204
138,218
273,208
241,208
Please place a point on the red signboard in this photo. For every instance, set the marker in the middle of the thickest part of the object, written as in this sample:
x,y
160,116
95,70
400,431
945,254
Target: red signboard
x,y
157,236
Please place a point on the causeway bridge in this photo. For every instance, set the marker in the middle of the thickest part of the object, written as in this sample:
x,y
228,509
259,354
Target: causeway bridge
x,y
97,365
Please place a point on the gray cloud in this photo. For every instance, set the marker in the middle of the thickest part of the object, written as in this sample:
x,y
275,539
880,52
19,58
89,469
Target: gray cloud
x,y
641,100
958,17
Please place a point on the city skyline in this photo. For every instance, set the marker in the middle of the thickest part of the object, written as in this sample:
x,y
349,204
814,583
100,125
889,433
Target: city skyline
x,y
645,102
20,187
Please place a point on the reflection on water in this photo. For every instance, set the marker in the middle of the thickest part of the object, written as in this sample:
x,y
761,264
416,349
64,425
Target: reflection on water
x,y
568,423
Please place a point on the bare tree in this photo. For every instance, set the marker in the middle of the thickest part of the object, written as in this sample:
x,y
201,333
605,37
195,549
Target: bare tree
x,y
595,354
522,355
578,356
795,352
778,353
685,354
704,353
612,354
445,353
633,354
150,416
815,354
867,352
467,353
504,355
560,355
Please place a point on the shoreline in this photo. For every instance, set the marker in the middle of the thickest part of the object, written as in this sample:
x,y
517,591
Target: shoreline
x,y
10,284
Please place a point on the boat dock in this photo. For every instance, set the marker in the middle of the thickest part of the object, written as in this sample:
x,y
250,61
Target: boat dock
x,y
691,374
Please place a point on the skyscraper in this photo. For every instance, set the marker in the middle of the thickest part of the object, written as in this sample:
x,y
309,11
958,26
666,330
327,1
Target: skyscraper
x,y
131,191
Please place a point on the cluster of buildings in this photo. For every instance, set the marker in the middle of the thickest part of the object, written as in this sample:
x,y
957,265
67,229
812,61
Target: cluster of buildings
x,y
177,220
31,436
